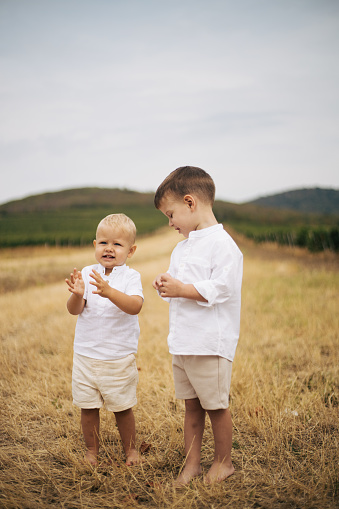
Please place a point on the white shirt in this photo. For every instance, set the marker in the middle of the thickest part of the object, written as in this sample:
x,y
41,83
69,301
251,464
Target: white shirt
x,y
103,331
212,261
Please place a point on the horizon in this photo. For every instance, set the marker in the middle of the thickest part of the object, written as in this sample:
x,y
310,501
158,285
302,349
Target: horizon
x,y
152,192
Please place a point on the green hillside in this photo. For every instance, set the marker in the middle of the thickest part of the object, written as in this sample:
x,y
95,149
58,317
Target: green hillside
x,y
78,199
315,200
316,232
70,217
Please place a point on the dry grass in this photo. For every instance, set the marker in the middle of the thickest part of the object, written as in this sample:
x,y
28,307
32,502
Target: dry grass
x,y
284,391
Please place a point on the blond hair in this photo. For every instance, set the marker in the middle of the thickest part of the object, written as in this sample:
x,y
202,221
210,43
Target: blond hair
x,y
187,180
120,222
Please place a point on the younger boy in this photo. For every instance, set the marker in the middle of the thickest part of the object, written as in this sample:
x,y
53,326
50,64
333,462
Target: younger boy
x,y
107,298
203,286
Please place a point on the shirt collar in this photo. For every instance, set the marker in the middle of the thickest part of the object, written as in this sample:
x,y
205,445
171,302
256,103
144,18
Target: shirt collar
x,y
205,231
118,268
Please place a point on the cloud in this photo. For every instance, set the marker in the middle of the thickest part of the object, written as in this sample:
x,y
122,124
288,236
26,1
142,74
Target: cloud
x,y
120,93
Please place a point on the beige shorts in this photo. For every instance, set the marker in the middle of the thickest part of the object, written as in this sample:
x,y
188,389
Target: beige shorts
x,y
207,377
97,382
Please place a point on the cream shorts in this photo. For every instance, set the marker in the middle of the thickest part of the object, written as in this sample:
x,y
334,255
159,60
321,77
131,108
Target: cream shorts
x,y
207,377
97,382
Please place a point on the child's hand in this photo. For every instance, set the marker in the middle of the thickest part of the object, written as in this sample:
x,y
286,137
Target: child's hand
x,y
157,282
76,284
167,286
103,287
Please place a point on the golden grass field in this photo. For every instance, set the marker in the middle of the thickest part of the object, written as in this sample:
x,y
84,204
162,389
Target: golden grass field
x,y
284,394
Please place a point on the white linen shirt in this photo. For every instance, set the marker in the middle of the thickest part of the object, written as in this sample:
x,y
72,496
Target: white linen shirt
x,y
211,261
103,331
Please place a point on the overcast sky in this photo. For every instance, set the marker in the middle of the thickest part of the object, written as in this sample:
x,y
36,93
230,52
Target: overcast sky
x,y
118,93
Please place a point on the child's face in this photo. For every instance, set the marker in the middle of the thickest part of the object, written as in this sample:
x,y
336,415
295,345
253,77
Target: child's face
x,y
112,247
180,213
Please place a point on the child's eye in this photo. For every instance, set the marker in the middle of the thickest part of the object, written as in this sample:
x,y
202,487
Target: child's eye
x,y
117,244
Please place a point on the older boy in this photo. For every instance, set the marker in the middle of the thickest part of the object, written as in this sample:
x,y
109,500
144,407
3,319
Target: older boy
x,y
107,298
203,286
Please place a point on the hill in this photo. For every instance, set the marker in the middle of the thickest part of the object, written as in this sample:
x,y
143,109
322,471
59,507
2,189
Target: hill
x,y
70,217
77,199
315,200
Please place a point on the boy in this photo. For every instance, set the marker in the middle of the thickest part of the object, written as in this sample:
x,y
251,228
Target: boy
x,y
107,298
203,286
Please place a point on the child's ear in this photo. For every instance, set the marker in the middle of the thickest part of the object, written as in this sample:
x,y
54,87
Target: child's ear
x,y
94,243
131,251
189,201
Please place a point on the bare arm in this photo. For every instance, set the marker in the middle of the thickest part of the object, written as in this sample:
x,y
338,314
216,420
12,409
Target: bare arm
x,y
168,286
130,304
76,286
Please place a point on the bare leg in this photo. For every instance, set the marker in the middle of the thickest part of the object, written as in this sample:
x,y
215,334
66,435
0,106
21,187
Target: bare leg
x,y
193,432
126,426
222,466
90,423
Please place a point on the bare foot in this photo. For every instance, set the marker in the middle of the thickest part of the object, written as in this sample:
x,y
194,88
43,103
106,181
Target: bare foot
x,y
133,458
90,459
186,476
219,472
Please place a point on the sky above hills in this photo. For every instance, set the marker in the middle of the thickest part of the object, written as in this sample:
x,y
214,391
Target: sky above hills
x,y
118,93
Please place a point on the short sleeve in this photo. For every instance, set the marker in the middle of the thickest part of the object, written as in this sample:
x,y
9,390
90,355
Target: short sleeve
x,y
133,284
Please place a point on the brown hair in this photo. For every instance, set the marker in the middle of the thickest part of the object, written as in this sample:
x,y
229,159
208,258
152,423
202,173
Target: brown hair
x,y
187,180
